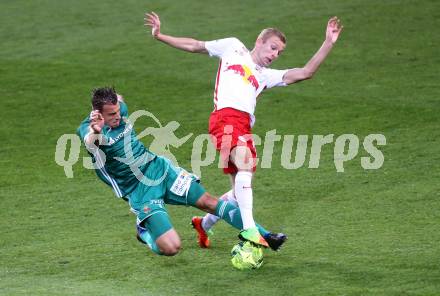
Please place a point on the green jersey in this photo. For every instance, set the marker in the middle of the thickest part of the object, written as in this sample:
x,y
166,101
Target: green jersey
x,y
122,154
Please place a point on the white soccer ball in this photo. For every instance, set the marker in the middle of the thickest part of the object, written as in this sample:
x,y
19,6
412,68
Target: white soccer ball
x,y
246,255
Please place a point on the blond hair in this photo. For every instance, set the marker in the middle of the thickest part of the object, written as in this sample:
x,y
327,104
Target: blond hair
x,y
269,32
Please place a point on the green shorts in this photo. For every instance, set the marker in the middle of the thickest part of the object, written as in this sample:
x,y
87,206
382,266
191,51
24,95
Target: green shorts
x,y
163,183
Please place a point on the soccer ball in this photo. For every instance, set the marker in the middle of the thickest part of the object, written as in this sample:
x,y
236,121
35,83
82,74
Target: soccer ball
x,y
246,255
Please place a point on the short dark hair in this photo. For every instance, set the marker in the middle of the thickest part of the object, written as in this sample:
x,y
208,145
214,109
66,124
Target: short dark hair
x,y
102,96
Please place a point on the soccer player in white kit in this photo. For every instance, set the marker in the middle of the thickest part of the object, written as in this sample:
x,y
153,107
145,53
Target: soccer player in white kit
x,y
242,75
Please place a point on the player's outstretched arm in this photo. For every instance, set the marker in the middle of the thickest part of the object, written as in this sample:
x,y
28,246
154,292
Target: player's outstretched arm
x,y
187,44
334,28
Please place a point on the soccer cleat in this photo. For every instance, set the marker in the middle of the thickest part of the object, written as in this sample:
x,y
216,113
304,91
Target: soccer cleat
x,y
202,235
253,236
275,240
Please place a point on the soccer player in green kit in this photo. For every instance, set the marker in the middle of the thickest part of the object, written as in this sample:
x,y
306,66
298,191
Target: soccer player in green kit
x,y
146,181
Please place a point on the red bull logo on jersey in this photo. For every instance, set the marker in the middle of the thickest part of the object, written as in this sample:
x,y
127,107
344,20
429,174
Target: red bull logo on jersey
x,y
244,72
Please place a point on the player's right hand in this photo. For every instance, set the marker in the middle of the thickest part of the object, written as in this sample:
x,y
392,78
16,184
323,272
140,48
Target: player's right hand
x,y
96,121
152,20
334,28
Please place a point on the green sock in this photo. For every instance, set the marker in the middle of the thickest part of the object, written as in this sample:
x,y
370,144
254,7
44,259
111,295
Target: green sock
x,y
146,237
231,214
261,230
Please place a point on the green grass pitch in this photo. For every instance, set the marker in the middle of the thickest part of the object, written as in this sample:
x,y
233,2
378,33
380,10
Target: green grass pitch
x,y
361,232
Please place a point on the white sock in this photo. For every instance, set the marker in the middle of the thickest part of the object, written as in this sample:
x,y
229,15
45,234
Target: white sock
x,y
243,194
209,219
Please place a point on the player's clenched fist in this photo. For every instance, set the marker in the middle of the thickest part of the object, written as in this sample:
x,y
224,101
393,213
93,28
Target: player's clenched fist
x,y
96,121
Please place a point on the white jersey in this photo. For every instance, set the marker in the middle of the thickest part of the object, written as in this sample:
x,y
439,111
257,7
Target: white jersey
x,y
239,80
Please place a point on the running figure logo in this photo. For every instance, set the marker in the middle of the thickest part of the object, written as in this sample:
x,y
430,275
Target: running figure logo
x,y
164,137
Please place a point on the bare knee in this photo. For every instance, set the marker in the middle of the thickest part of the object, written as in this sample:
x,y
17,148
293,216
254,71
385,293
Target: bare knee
x,y
241,157
170,250
169,243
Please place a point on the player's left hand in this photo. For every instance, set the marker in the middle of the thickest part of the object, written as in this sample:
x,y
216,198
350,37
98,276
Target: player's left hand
x,y
334,28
